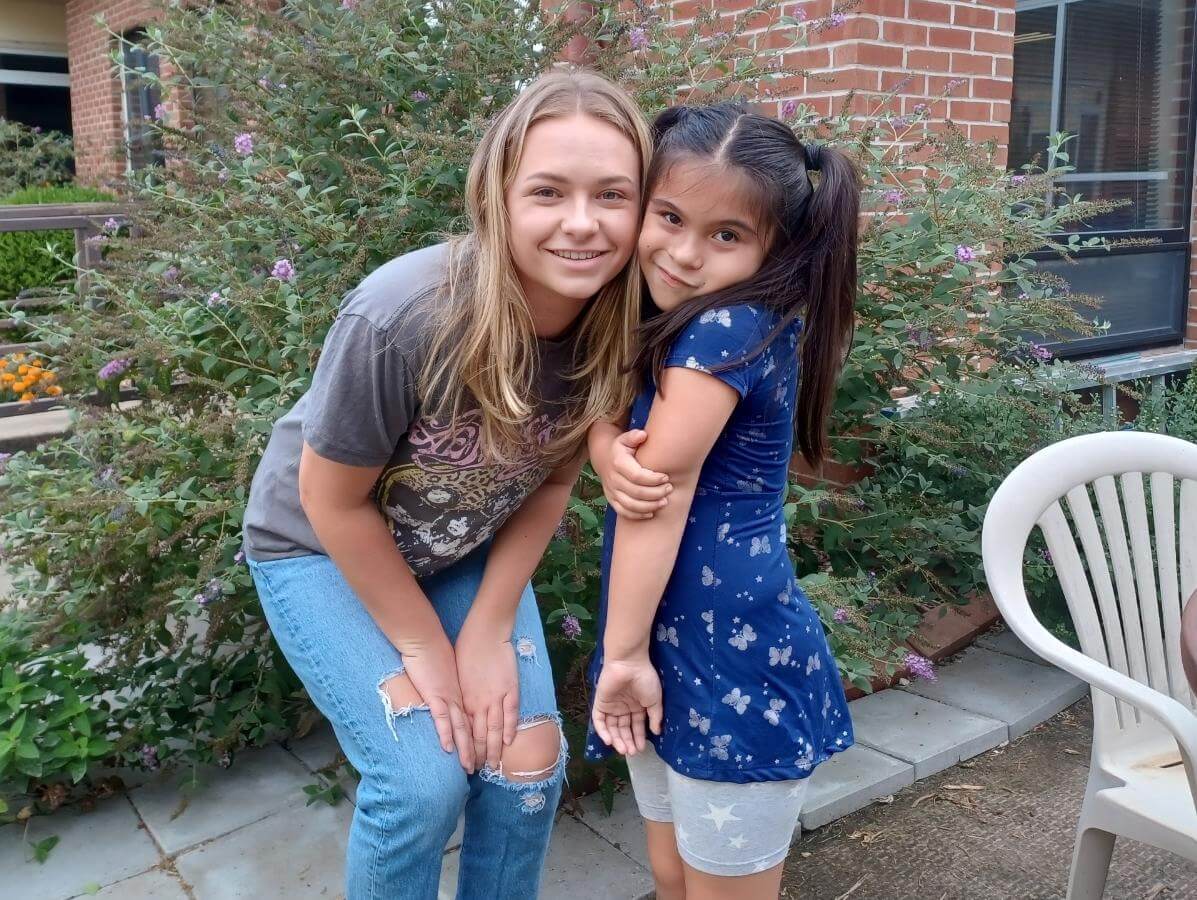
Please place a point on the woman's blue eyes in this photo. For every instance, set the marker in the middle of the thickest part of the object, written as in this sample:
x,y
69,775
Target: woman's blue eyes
x,y
547,192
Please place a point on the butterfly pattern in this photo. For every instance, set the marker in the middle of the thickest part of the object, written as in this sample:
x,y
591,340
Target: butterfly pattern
x,y
750,688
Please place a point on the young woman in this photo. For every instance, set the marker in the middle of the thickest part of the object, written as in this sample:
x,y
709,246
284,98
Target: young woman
x,y
403,503
705,629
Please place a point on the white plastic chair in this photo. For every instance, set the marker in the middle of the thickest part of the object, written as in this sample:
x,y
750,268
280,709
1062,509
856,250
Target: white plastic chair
x,y
1142,775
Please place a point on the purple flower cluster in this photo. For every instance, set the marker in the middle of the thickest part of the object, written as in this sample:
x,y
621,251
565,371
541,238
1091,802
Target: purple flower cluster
x,y
920,667
1047,555
4,458
215,298
111,224
840,615
894,196
1040,352
638,38
836,20
789,108
159,112
211,593
920,337
244,143
149,757
171,274
349,4
1017,180
571,627
283,270
114,367
239,557
419,97
965,253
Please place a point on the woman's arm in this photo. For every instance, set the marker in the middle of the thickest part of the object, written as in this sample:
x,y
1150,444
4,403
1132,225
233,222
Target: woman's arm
x,y
337,501
688,414
486,661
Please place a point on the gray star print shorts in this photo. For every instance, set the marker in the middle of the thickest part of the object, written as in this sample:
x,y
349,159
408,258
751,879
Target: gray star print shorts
x,y
722,828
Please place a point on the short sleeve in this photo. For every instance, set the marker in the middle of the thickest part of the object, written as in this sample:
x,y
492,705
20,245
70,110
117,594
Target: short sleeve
x,y
363,395
721,337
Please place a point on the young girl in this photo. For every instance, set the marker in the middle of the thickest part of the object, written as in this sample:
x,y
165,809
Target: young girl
x,y
705,629
403,503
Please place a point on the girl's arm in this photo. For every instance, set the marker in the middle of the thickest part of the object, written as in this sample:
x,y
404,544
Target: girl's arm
x,y
486,661
633,491
337,500
688,414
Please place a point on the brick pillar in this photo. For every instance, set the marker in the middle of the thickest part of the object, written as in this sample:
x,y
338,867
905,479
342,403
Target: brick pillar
x,y
95,85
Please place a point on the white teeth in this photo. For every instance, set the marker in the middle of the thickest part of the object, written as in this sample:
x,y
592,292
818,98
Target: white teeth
x,y
575,254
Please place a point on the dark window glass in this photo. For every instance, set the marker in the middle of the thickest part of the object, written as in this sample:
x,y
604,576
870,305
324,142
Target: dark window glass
x,y
142,95
1030,113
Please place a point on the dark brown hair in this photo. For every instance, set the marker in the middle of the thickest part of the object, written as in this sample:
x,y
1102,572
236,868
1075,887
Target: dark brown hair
x,y
809,271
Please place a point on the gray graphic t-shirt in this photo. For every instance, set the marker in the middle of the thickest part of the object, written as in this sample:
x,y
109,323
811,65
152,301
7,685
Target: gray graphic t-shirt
x,y
440,496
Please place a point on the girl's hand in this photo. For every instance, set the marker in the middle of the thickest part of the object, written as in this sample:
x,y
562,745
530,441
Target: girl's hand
x,y
490,688
627,689
432,669
632,490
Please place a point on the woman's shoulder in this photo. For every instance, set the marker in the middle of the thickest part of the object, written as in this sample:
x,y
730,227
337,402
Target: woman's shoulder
x,y
398,288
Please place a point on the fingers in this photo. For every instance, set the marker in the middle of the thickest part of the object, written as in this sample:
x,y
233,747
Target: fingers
x,y
638,731
633,438
462,737
655,713
440,720
481,736
636,505
511,716
646,482
600,726
623,734
493,746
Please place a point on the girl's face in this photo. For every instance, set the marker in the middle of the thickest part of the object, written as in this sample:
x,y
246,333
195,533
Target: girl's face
x,y
699,233
572,209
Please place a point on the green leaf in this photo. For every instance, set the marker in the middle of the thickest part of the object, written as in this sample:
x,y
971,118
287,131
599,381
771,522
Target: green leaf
x,y
41,850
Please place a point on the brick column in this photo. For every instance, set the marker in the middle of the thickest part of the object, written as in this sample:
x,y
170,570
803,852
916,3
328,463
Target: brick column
x,y
96,87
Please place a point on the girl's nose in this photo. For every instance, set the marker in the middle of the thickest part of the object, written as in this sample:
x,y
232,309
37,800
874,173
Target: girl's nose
x,y
685,253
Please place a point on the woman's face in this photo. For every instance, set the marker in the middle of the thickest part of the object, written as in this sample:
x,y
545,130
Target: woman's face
x,y
573,208
699,233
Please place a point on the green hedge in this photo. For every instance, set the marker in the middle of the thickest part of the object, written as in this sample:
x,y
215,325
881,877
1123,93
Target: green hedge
x,y
35,258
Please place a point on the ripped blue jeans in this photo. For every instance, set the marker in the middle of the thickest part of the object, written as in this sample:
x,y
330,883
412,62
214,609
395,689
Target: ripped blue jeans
x,y
412,792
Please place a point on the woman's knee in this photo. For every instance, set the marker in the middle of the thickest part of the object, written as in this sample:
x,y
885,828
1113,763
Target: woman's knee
x,y
532,765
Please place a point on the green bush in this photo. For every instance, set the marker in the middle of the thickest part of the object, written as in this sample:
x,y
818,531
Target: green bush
x,y
39,258
362,117
30,157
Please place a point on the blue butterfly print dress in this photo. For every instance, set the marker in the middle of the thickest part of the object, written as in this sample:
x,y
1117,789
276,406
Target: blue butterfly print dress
x,y
751,692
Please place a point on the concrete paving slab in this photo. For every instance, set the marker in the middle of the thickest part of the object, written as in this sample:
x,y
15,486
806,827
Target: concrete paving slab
x,y
580,864
1019,693
94,848
929,735
319,749
622,827
1006,641
851,780
293,853
262,782
152,885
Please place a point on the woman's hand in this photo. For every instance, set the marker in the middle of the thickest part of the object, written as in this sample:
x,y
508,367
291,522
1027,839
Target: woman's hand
x,y
432,669
627,690
490,688
632,490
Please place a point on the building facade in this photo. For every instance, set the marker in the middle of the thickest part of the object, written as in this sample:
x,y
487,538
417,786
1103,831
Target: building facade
x,y
1117,74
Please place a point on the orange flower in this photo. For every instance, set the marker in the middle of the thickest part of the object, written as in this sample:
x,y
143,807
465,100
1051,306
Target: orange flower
x,y
22,369
54,390
28,397
48,376
7,378
19,357
35,372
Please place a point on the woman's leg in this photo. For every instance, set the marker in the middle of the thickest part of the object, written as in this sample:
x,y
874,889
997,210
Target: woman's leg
x,y
412,792
511,810
650,783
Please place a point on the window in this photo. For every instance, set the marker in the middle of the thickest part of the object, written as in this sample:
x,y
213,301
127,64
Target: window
x,y
140,95
1117,74
35,90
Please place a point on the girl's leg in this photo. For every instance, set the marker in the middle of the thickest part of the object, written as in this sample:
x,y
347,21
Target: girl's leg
x,y
650,782
733,838
510,811
412,792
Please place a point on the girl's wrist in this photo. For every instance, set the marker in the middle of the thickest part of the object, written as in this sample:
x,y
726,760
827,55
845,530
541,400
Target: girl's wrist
x,y
616,650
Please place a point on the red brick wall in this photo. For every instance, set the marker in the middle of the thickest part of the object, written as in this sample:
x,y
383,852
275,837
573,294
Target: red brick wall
x,y
95,85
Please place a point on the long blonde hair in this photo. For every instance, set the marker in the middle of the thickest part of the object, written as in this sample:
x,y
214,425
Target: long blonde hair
x,y
483,345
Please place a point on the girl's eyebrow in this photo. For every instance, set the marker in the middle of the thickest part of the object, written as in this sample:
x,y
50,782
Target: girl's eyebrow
x,y
553,176
723,223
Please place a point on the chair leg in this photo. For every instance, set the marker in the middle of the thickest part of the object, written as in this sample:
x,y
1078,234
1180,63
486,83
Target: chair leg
x,y
1090,863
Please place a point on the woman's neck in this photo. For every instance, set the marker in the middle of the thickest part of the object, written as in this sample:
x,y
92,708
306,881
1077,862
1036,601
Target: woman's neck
x,y
553,314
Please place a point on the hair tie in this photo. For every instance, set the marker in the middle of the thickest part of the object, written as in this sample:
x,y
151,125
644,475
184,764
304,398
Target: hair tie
x,y
814,156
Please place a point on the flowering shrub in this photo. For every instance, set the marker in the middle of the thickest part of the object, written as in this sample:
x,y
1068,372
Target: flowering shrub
x,y
336,137
31,157
25,377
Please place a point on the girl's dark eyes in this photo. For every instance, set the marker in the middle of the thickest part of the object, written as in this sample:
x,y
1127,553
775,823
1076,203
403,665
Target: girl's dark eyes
x,y
731,236
671,218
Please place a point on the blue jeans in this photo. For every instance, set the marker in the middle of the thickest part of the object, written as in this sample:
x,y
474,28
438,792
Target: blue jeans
x,y
412,792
